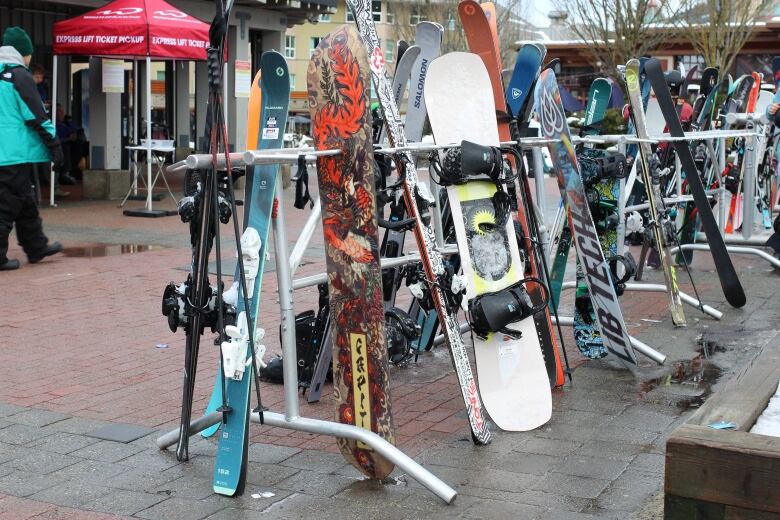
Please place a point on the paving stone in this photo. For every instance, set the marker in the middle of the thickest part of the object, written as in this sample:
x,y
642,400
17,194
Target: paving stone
x,y
529,463
107,451
556,514
553,498
37,418
63,443
593,467
270,454
139,479
232,513
640,481
621,499
91,471
412,498
624,434
246,501
21,434
9,452
641,419
43,462
610,450
119,432
318,484
76,425
566,432
298,506
23,483
496,510
10,409
153,460
179,509
649,463
186,487
71,494
487,478
123,502
269,474
545,446
576,486
315,461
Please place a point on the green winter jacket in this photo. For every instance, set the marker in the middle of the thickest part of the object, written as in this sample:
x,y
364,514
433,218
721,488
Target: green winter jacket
x,y
26,132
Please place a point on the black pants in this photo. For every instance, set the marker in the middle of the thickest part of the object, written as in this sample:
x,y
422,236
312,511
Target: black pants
x,y
18,206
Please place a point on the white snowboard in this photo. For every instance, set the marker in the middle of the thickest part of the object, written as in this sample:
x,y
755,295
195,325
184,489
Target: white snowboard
x,y
654,118
511,373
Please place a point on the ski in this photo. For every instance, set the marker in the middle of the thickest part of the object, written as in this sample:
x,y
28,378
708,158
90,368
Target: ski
x,y
512,376
339,90
231,459
729,280
417,198
253,125
596,269
654,196
427,36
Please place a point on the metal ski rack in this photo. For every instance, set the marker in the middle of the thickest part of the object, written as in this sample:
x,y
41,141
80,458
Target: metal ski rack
x,y
291,418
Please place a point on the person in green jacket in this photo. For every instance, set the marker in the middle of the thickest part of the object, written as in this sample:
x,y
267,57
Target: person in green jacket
x,y
27,137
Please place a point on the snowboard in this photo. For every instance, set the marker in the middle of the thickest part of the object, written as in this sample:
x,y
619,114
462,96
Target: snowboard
x,y
479,21
419,200
553,125
339,93
512,376
231,458
253,127
732,288
605,201
654,196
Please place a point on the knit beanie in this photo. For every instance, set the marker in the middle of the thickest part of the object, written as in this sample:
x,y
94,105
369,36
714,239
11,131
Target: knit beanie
x,y
17,38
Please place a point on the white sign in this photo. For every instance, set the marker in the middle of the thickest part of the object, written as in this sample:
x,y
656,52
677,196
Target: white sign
x,y
243,79
113,76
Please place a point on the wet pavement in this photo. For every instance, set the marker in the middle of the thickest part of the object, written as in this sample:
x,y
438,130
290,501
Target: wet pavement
x,y
82,339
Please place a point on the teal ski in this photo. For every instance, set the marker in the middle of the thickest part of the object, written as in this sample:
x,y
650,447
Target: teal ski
x,y
231,459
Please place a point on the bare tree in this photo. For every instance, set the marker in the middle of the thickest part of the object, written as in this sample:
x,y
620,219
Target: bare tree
x,y
617,30
718,29
408,13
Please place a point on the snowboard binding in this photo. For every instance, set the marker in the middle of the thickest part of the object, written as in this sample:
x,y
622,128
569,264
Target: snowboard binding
x,y
472,161
400,333
494,312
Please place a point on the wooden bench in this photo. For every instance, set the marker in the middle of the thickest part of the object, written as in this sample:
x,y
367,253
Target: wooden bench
x,y
727,474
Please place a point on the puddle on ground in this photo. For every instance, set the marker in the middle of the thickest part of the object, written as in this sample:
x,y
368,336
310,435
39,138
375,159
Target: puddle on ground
x,y
99,250
689,382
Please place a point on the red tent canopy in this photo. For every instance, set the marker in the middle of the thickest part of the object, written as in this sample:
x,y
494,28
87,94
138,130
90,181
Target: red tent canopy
x,y
133,29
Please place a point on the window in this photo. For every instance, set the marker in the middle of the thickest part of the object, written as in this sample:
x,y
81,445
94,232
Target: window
x,y
416,16
292,82
389,51
289,47
324,17
389,17
313,42
376,9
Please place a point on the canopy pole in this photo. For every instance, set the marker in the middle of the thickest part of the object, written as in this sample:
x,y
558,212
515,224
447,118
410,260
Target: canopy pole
x,y
148,133
135,103
53,109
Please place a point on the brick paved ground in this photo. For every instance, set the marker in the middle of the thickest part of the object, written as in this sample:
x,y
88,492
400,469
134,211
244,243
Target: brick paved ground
x,y
78,350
